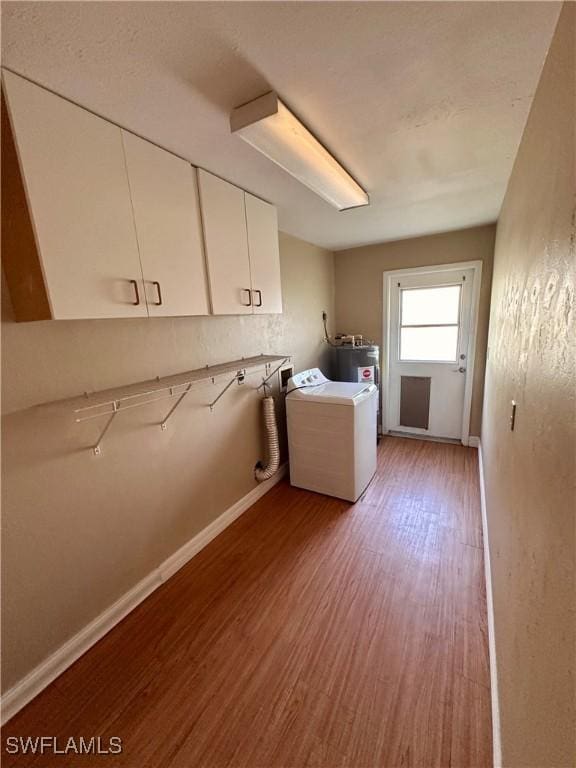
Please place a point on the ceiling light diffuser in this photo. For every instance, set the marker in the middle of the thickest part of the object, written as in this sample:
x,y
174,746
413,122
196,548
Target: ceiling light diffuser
x,y
269,126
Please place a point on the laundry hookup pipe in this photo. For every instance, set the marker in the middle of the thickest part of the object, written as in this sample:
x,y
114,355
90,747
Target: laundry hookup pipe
x,y
265,472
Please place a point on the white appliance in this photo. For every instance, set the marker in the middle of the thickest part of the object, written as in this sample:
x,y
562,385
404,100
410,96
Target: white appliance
x,y
331,434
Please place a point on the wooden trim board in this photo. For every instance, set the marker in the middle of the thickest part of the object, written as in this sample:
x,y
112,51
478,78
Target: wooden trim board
x,y
30,686
20,255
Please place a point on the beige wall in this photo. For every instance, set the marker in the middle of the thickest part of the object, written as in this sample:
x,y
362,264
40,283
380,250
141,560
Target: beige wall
x,y
529,473
50,360
80,530
359,286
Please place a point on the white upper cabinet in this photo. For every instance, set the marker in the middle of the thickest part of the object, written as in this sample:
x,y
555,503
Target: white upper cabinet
x,y
241,237
98,223
262,226
72,163
168,228
224,218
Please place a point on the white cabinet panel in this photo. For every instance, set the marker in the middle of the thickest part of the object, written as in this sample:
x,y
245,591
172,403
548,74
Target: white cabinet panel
x,y
224,218
262,225
77,188
167,215
117,230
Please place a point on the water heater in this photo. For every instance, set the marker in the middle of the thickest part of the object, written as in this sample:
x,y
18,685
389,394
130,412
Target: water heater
x,y
358,363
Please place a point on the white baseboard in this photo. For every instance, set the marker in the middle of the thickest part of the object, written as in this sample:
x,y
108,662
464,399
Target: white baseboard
x,y
496,739
474,441
31,685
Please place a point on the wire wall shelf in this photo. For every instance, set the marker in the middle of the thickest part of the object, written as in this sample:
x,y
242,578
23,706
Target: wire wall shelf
x,y
110,403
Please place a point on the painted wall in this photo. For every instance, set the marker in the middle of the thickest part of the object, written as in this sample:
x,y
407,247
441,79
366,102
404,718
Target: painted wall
x,y
359,286
80,530
529,473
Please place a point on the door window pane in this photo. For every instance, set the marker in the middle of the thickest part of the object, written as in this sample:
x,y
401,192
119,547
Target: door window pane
x,y
437,343
430,306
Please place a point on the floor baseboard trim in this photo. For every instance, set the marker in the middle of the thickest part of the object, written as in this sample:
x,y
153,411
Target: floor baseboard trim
x,y
425,438
496,737
472,441
39,678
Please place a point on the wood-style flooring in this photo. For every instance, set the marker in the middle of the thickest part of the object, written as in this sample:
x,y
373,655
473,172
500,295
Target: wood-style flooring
x,y
312,632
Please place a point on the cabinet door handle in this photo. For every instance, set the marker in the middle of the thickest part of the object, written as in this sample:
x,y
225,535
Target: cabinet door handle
x,y
157,286
256,290
249,292
136,292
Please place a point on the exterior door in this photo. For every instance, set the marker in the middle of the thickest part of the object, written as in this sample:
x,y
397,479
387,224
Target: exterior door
x,y
430,319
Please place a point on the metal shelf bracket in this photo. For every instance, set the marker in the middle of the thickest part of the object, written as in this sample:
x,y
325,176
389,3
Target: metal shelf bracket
x,y
115,408
267,379
176,404
239,377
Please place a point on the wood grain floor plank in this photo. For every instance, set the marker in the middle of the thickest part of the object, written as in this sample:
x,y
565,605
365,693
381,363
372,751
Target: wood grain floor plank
x,y
312,633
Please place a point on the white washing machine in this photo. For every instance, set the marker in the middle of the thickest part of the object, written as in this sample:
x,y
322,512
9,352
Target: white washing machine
x,y
331,434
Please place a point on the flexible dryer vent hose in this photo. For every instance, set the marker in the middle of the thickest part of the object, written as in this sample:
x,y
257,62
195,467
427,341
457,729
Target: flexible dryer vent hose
x,y
264,472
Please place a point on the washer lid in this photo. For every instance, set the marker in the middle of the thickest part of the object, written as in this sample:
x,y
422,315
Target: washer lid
x,y
334,393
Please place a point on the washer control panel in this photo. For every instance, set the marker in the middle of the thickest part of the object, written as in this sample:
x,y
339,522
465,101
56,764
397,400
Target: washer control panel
x,y
312,377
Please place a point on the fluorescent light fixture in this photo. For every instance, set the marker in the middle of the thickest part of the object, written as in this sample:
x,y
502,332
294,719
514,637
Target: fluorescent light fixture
x,y
269,126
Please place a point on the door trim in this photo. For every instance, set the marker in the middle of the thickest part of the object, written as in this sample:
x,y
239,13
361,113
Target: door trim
x,y
388,278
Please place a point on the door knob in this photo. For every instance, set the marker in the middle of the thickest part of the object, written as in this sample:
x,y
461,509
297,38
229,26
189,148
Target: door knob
x,y
459,370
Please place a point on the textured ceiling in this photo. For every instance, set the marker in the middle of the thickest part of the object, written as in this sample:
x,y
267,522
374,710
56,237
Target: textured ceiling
x,y
424,103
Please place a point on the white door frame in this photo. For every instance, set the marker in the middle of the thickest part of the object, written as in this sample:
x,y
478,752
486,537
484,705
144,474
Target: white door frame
x,y
391,276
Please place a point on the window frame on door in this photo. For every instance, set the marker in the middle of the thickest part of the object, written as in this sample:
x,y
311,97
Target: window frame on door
x,y
456,325
390,280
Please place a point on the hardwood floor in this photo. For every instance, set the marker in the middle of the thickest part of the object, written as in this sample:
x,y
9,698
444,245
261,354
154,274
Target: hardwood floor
x,y
312,632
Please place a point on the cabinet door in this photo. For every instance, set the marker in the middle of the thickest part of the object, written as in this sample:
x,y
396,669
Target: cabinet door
x,y
224,218
75,177
167,215
262,224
